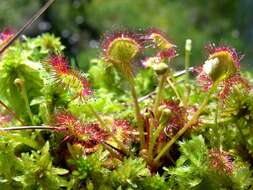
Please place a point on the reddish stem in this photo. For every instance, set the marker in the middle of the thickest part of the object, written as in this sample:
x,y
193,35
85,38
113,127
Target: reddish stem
x,y
20,128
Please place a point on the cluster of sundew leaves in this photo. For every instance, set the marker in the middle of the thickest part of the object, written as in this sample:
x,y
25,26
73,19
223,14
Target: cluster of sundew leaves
x,y
137,177
219,155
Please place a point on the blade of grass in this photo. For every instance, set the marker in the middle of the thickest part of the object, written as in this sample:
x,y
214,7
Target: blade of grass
x,y
27,25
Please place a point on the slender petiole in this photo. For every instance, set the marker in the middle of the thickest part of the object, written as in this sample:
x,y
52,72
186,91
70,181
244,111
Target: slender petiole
x,y
137,112
172,85
216,129
151,94
159,94
187,125
21,85
154,138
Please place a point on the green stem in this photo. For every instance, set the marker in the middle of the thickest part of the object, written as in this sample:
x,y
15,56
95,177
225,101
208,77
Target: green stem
x,y
187,76
103,125
137,112
153,140
174,89
20,83
24,95
186,126
216,130
158,97
187,65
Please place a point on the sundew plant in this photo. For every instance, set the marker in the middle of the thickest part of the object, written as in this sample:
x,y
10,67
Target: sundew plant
x,y
132,121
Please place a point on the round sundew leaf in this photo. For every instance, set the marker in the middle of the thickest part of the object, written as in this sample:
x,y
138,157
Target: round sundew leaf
x,y
220,66
161,42
122,50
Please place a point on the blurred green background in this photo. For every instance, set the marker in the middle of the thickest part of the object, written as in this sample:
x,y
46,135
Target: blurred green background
x,y
81,23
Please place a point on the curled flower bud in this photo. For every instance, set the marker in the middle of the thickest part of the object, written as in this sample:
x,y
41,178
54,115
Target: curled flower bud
x,y
188,45
121,47
220,161
159,39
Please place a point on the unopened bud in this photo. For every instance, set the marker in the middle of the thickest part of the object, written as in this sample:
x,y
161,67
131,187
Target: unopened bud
x,y
165,116
19,82
121,48
160,68
188,45
144,153
76,150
